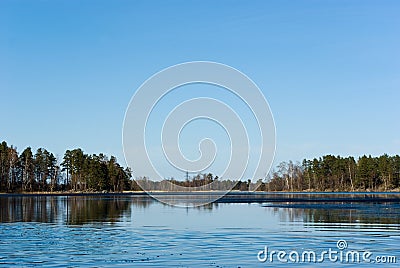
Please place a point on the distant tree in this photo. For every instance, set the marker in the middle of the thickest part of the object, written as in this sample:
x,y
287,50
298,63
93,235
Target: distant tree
x,y
27,169
44,165
13,178
4,165
366,173
67,166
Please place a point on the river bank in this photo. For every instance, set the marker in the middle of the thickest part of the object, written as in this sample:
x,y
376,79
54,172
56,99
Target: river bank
x,y
240,197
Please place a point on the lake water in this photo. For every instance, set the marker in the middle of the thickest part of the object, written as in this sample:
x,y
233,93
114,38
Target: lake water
x,y
138,231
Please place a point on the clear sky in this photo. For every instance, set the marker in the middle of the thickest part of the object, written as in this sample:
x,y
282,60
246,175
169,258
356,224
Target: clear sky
x,y
330,70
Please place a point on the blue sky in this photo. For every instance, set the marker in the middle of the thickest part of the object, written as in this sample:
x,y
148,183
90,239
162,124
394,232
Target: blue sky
x,y
329,69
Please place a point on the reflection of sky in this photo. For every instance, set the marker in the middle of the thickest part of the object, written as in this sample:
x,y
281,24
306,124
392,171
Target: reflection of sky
x,y
221,216
150,234
141,211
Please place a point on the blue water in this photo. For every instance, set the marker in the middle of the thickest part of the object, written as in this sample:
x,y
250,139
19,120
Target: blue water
x,y
137,231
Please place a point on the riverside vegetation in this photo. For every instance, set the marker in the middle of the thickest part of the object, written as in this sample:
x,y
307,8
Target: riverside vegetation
x,y
80,172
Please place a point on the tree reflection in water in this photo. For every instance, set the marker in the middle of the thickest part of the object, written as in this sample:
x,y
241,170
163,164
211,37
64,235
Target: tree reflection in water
x,y
364,213
78,210
75,210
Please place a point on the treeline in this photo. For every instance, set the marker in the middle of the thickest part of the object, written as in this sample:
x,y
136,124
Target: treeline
x,y
29,172
199,182
80,172
336,173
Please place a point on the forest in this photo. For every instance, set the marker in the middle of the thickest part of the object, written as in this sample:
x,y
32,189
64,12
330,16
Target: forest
x,y
80,172
40,172
336,173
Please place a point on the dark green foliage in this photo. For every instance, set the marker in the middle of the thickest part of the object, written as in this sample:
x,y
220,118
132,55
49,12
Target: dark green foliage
x,y
27,167
94,172
336,173
40,172
45,166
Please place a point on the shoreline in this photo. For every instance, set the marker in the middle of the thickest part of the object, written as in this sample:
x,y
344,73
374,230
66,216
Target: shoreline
x,y
157,192
237,196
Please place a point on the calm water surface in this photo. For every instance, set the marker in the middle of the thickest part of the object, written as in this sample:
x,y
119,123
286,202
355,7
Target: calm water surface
x,y
137,231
